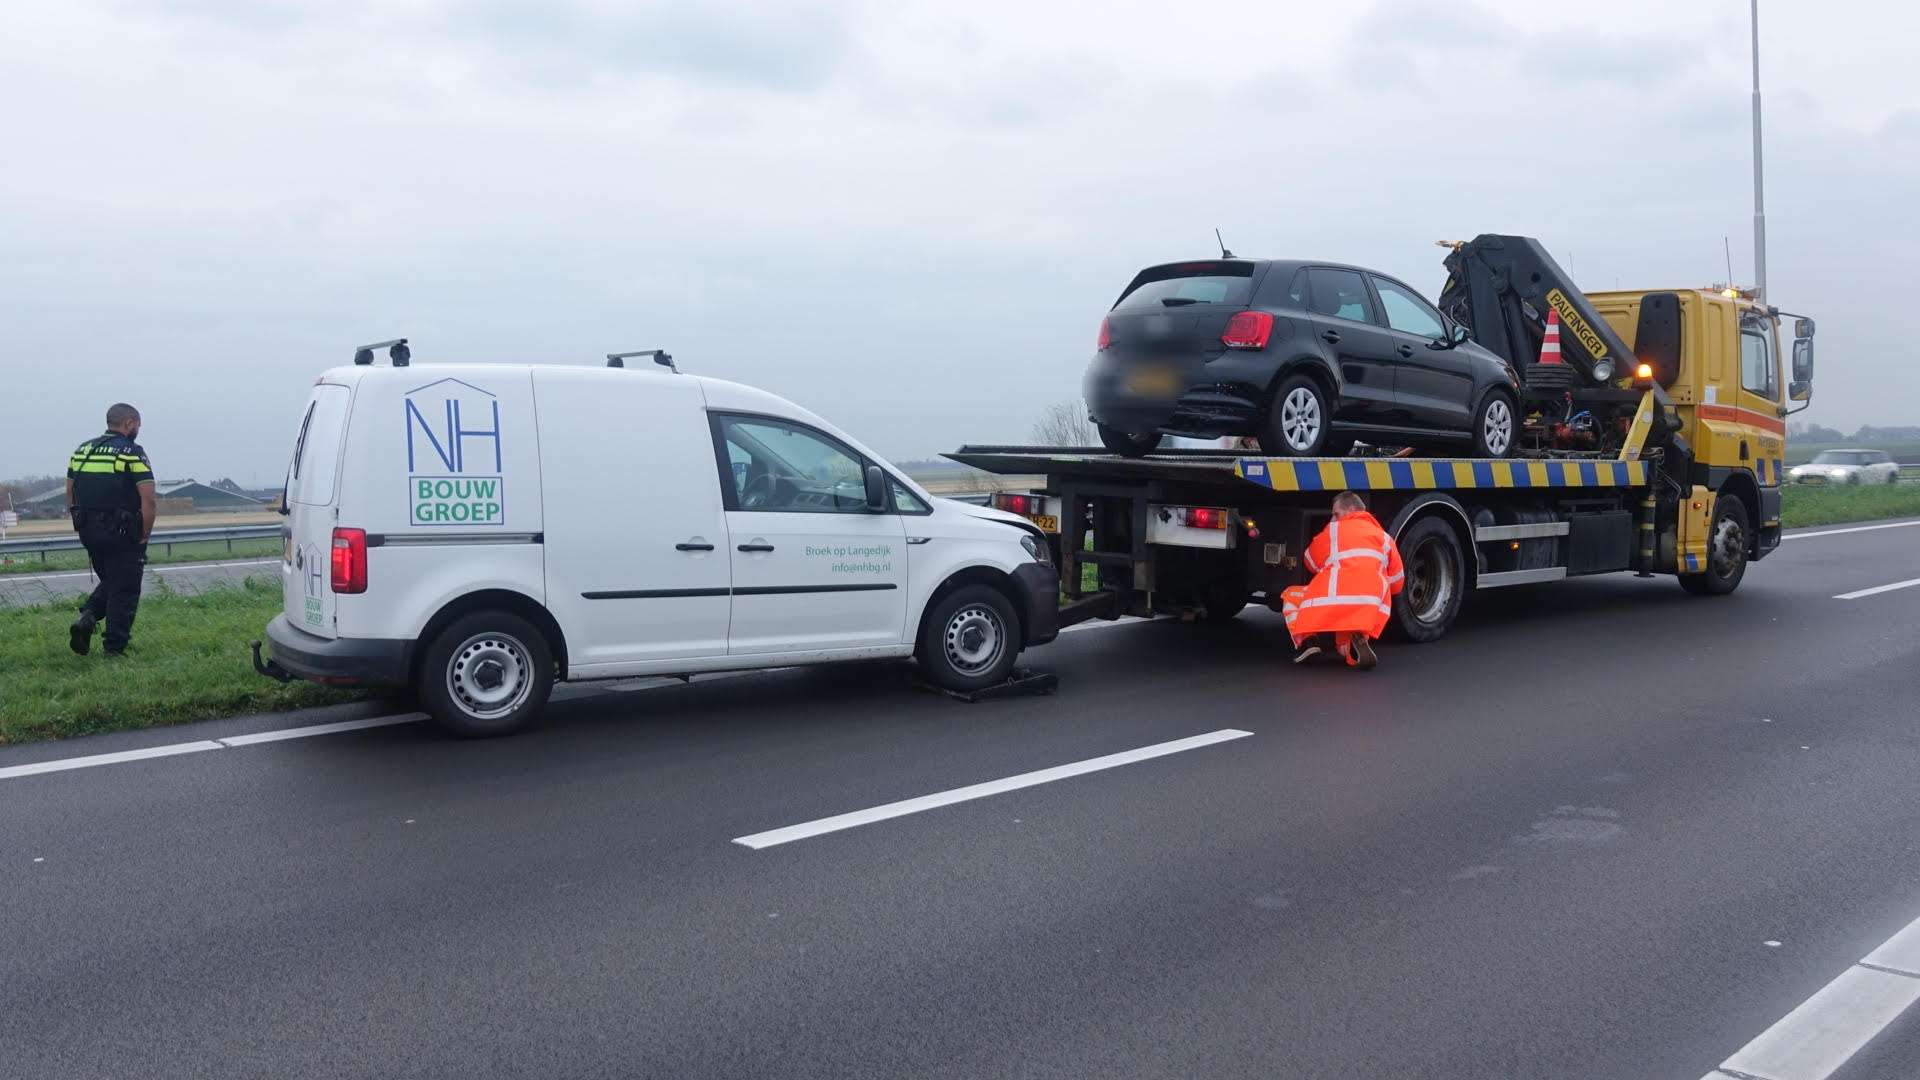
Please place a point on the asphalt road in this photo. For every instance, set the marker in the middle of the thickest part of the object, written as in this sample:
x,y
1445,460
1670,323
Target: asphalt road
x,y
180,577
1604,829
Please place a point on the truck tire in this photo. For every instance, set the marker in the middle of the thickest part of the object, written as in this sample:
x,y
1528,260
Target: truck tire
x,y
487,674
1225,601
1726,550
1299,422
970,639
1550,378
1436,581
1496,426
1126,444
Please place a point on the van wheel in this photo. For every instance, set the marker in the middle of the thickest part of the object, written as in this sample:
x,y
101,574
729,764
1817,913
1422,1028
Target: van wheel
x,y
970,639
1126,444
1726,551
1436,581
487,674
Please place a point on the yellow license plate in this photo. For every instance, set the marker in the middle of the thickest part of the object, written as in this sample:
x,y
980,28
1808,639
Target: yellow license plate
x,y
1154,382
1813,479
1048,523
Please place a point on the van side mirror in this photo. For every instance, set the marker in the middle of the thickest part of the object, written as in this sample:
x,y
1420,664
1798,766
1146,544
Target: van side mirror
x,y
876,490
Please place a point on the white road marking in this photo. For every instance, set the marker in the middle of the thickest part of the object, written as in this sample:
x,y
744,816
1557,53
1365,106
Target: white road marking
x,y
91,760
321,729
1878,589
1854,529
821,826
1813,1041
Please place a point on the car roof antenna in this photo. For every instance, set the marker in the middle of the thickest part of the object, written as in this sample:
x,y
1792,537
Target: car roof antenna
x,y
1224,253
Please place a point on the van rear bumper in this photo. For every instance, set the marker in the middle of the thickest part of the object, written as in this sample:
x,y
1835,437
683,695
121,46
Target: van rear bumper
x,y
1039,587
340,661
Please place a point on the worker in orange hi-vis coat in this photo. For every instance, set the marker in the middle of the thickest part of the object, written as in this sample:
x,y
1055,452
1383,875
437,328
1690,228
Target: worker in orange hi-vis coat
x,y
1356,573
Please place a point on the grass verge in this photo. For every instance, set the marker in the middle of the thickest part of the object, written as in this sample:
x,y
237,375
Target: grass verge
x,y
157,555
188,661
1802,506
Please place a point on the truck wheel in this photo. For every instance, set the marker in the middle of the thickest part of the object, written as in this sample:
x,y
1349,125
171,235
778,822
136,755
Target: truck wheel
x,y
487,674
1299,422
1726,551
1125,444
970,639
1436,581
1495,429
1224,602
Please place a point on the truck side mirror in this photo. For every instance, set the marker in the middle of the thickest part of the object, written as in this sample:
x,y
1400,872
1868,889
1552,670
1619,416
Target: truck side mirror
x,y
1803,328
876,490
1799,391
1803,361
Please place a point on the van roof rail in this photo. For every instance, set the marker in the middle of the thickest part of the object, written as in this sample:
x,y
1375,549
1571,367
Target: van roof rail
x,y
397,352
660,357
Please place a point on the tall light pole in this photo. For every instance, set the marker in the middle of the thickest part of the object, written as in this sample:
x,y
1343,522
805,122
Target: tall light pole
x,y
1759,190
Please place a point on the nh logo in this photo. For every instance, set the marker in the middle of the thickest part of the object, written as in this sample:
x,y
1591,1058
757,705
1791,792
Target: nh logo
x,y
450,428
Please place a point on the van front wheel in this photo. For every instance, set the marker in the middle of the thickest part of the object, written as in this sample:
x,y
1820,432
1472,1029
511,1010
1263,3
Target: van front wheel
x,y
970,639
486,674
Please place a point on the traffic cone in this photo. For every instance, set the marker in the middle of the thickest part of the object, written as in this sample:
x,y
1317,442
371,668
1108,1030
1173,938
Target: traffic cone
x,y
1550,345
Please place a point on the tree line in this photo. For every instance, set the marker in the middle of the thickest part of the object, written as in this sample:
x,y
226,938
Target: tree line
x,y
1816,433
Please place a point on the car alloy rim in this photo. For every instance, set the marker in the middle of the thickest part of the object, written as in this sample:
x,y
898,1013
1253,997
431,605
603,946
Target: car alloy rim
x,y
1729,548
1300,419
1499,426
490,675
974,639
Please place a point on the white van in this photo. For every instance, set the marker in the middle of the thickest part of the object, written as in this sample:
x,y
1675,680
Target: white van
x,y
476,531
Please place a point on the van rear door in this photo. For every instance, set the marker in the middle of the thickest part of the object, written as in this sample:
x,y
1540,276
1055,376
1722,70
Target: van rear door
x,y
313,491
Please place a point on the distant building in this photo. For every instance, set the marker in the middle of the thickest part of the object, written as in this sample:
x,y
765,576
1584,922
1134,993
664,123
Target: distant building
x,y
205,497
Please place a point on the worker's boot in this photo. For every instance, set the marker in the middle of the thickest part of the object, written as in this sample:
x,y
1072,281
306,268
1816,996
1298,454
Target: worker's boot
x,y
1307,652
80,634
1363,655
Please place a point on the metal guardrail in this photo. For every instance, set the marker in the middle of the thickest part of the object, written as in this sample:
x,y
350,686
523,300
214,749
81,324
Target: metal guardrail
x,y
41,545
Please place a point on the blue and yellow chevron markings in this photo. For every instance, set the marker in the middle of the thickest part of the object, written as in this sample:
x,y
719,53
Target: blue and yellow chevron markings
x,y
1417,474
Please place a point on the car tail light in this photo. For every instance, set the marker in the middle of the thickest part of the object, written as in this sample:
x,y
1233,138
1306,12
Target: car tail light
x,y
1106,334
349,560
1248,330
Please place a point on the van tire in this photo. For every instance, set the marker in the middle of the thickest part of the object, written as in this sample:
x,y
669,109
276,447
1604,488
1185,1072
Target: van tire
x,y
969,639
489,673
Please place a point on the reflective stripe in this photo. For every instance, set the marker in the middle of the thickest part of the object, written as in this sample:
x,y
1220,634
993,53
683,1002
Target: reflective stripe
x,y
1378,556
95,467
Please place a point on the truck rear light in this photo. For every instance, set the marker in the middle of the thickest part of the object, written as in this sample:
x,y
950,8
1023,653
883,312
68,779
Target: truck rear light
x,y
1198,517
1247,330
1020,504
1106,335
349,560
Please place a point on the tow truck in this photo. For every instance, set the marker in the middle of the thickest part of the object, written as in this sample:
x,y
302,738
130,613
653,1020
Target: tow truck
x,y
1655,444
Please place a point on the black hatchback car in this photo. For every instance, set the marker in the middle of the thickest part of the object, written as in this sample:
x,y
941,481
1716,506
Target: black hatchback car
x,y
1308,357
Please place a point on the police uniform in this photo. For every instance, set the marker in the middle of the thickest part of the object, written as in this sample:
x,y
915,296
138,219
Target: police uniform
x,y
107,473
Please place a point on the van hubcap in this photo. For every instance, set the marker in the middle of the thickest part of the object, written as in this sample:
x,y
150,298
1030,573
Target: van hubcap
x,y
489,675
974,639
1300,419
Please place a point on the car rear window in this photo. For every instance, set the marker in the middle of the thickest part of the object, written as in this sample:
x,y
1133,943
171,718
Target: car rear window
x,y
1180,284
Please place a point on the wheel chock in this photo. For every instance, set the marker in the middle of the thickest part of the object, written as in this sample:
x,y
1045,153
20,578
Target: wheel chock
x,y
1020,682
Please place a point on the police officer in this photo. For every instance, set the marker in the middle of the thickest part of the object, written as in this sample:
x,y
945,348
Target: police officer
x,y
110,494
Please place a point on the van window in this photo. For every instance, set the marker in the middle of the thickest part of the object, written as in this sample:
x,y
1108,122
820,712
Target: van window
x,y
779,466
312,476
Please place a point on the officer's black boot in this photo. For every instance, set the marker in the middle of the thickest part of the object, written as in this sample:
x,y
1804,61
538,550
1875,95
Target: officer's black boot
x,y
80,634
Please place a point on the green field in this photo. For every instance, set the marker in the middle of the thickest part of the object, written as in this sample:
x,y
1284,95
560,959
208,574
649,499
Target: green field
x,y
198,551
1803,506
188,661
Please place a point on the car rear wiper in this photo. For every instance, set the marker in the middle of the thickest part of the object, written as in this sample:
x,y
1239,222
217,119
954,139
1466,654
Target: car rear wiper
x,y
1178,301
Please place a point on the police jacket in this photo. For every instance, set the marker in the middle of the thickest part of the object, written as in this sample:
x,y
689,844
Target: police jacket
x,y
107,472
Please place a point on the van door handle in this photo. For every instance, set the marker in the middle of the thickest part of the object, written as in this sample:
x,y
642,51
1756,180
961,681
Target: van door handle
x,y
1406,350
1332,336
756,547
693,547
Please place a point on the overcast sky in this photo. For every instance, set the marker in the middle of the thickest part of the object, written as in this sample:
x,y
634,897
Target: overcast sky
x,y
906,216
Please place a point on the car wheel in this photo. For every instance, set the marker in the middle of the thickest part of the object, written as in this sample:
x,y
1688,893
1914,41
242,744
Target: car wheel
x,y
1298,423
1436,581
1126,444
486,674
970,639
1495,427
1726,551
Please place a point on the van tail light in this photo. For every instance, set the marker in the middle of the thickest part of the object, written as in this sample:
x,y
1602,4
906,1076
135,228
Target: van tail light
x,y
1106,335
1248,330
349,560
